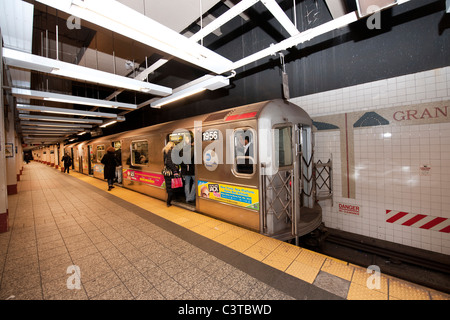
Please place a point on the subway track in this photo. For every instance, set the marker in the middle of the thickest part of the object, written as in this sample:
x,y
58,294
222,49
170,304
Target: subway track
x,y
418,266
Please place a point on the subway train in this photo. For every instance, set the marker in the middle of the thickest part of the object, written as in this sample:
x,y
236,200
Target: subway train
x,y
253,165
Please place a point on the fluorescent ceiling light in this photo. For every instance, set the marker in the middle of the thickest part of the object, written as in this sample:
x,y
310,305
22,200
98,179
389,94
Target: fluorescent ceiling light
x,y
134,25
33,62
34,128
65,111
48,134
107,124
43,140
58,119
176,96
51,133
211,83
54,125
50,96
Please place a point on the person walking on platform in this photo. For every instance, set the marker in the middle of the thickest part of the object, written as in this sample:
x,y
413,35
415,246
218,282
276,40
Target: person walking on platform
x,y
188,171
110,162
170,170
67,162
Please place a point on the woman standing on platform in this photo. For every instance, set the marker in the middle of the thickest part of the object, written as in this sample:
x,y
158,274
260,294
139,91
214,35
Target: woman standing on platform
x,y
170,170
110,162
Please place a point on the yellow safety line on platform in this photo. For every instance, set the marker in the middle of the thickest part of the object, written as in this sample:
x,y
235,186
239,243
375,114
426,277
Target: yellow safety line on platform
x,y
298,262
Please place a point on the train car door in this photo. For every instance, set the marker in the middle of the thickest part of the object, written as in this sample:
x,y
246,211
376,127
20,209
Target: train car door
x,y
119,172
100,150
71,155
77,160
83,157
89,159
183,140
279,187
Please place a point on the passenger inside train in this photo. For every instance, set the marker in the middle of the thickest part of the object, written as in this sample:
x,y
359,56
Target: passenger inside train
x,y
244,151
139,153
184,155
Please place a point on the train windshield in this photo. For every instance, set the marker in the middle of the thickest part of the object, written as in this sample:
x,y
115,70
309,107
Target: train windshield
x,y
139,152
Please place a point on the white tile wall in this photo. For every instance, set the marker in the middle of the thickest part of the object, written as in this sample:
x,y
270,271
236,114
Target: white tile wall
x,y
388,158
428,86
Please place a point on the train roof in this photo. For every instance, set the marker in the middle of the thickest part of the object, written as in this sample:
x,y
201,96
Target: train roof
x,y
246,112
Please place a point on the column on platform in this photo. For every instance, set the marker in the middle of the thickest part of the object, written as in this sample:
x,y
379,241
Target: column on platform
x,y
19,156
11,176
3,180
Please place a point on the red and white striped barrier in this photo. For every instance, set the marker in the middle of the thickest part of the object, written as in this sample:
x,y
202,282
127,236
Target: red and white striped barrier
x,y
418,220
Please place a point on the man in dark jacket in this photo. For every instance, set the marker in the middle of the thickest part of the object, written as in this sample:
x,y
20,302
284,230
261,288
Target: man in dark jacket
x,y
188,172
110,163
67,162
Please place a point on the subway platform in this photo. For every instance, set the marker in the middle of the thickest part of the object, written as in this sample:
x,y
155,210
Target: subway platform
x,y
71,239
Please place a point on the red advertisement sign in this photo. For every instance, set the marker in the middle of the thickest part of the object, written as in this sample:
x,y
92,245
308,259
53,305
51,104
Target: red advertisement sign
x,y
152,179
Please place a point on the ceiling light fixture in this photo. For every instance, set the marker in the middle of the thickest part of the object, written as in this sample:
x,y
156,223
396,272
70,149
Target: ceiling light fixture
x,y
74,112
48,134
55,124
107,124
211,83
134,25
56,97
25,60
33,132
58,119
34,128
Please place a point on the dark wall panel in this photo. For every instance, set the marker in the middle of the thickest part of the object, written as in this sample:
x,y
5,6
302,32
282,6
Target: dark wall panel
x,y
413,37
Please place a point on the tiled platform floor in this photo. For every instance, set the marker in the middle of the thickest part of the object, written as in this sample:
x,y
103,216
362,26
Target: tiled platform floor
x,y
130,246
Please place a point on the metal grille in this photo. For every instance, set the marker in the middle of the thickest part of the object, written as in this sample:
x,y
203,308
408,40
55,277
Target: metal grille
x,y
305,171
279,194
323,180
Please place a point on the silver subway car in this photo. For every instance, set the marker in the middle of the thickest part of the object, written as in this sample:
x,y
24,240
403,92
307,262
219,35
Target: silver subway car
x,y
253,165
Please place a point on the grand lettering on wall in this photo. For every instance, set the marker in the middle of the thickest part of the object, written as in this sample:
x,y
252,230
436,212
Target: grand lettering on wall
x,y
346,123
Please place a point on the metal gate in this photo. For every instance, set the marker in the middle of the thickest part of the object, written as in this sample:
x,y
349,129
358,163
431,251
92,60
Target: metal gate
x,y
291,187
281,205
278,201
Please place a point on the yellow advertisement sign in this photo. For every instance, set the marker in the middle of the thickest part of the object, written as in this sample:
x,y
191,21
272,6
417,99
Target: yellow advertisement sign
x,y
236,195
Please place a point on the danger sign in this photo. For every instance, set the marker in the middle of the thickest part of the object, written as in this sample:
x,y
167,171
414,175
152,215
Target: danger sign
x,y
352,209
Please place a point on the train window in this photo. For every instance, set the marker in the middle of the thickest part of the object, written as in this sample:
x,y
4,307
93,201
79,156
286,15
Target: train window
x,y
139,152
118,147
244,150
180,136
182,140
283,146
100,152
